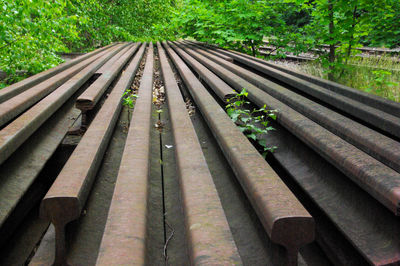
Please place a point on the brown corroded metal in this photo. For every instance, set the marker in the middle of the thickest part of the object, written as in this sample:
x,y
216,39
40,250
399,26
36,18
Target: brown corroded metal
x,y
382,120
366,98
15,133
103,80
64,201
19,174
27,83
223,90
377,145
284,218
124,236
380,181
369,227
16,105
209,237
92,95
110,62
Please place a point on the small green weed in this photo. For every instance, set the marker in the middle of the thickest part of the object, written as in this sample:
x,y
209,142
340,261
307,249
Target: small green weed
x,y
381,84
247,120
379,75
129,98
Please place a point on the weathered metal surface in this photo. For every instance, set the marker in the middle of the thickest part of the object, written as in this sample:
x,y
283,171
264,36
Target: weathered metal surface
x,y
64,201
375,117
124,237
27,83
20,171
368,140
223,90
372,100
110,62
357,95
209,237
16,105
92,95
372,229
283,216
15,133
382,182
84,235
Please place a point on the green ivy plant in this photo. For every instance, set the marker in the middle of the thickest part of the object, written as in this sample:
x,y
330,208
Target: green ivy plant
x,y
129,98
253,124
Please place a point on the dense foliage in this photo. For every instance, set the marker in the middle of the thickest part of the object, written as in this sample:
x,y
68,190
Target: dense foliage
x,y
295,25
34,32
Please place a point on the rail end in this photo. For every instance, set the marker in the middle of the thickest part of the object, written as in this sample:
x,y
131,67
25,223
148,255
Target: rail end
x,y
60,211
293,233
84,104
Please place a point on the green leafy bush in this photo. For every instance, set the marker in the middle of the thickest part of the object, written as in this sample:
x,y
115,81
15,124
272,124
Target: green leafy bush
x,y
254,124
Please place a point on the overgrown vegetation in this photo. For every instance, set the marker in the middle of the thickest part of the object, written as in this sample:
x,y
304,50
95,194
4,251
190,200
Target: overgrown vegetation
x,y
254,124
33,33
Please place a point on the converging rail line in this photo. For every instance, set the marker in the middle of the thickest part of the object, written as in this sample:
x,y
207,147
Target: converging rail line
x,y
127,156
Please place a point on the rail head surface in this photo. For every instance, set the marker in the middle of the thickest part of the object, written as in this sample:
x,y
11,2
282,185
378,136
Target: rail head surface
x,y
380,119
16,105
92,95
66,197
210,240
23,85
368,140
380,103
124,237
284,218
18,131
380,181
221,89
86,99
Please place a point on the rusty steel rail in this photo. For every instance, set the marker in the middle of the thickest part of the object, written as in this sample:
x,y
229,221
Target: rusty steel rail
x,y
15,133
208,235
368,226
16,105
375,117
380,181
372,100
368,140
88,99
28,83
18,174
124,237
223,90
377,50
110,62
64,201
282,215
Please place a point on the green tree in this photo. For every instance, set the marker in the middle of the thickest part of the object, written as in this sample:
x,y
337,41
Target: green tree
x,y
34,32
31,32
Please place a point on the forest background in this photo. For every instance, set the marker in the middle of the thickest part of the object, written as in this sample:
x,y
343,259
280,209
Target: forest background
x,y
33,33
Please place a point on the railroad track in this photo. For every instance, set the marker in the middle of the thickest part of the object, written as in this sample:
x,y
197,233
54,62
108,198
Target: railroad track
x,y
364,50
87,180
268,51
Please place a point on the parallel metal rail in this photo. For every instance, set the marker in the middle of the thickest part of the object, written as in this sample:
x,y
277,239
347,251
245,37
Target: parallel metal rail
x,y
328,194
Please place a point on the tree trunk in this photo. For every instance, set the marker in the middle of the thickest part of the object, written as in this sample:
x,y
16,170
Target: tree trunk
x,y
332,47
352,32
253,49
